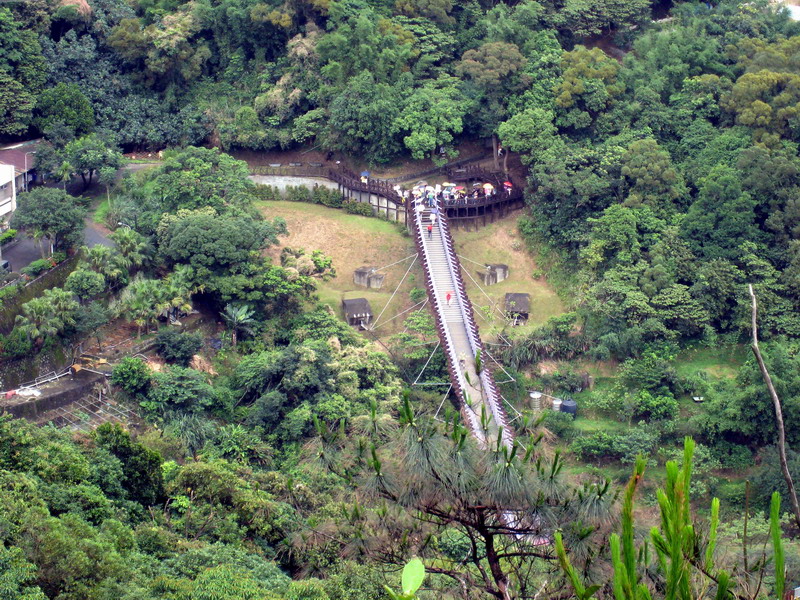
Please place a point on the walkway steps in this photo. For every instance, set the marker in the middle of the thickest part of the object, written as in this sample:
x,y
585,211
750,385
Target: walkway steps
x,y
457,330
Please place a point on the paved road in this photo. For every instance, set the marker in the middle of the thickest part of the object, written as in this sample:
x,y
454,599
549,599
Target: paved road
x,y
94,235
26,250
23,253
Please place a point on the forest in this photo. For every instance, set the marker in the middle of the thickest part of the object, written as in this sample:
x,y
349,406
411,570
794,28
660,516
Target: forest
x,y
280,454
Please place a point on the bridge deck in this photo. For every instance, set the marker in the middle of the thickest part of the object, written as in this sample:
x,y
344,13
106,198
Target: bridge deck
x,y
458,332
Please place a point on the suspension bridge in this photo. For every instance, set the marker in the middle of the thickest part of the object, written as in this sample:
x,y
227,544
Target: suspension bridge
x,y
471,378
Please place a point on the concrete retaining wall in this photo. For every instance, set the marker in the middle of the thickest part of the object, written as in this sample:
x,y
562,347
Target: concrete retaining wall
x,y
283,181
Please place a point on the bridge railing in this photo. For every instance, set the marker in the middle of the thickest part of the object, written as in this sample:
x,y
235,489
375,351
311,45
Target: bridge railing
x,y
456,376
491,393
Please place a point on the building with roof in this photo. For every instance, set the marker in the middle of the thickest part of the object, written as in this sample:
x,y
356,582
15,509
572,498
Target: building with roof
x,y
518,307
357,312
8,194
16,172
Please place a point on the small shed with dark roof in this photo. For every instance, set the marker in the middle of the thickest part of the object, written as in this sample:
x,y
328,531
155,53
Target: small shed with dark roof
x,y
357,312
518,306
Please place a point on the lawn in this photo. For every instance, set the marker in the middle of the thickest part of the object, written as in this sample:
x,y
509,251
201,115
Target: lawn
x,y
721,362
500,242
351,241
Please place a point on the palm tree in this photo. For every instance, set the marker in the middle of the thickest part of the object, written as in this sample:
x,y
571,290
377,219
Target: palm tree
x,y
178,289
141,302
106,261
50,314
64,173
239,318
131,246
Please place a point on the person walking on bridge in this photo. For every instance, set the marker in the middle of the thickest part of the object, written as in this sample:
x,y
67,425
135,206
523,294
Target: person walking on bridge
x,y
449,298
430,231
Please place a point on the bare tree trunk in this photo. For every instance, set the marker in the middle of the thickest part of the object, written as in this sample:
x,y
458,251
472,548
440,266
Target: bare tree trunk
x,y
778,413
500,578
494,151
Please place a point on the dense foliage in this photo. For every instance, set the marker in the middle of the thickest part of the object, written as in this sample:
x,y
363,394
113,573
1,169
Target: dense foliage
x,y
291,465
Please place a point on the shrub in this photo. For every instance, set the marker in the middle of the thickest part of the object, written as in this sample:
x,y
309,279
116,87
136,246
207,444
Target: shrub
x,y
15,344
180,389
657,408
568,381
732,456
7,236
357,208
266,192
85,283
597,445
58,257
176,347
634,442
37,267
298,193
9,291
132,375
561,424
624,447
326,196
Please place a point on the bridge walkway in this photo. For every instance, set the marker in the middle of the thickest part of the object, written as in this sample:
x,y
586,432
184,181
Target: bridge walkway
x,y
457,330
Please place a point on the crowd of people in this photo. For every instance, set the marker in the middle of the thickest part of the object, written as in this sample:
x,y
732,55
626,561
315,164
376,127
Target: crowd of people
x,y
450,194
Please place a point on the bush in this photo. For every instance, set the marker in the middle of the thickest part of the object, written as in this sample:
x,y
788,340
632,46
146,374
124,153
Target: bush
x,y
266,192
326,196
561,424
567,381
9,291
624,447
15,344
180,389
732,456
7,236
58,257
597,445
650,407
176,347
629,445
357,208
37,267
298,193
132,375
85,283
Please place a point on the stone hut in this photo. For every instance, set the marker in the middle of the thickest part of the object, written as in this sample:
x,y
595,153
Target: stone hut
x,y
357,312
518,306
494,273
368,277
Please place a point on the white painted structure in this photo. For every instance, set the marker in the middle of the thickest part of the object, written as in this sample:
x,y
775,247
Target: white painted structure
x,y
8,194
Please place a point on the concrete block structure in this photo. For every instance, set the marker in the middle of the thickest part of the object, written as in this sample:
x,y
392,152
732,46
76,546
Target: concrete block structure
x,y
368,277
357,312
494,273
518,307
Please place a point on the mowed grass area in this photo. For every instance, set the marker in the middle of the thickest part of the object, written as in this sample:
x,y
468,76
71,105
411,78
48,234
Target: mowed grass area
x,y
500,242
351,241
721,362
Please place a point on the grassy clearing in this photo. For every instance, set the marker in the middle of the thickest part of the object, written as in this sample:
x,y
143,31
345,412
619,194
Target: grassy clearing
x,y
100,213
721,362
501,243
351,241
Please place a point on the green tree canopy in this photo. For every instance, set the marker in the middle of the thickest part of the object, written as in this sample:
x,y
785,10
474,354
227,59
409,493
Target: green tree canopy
x,y
50,213
64,104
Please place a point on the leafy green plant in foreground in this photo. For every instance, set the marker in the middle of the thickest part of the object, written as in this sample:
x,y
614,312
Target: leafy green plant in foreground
x,y
413,576
684,568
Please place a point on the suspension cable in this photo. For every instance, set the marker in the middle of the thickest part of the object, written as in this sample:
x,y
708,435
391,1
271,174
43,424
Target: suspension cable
x,y
395,291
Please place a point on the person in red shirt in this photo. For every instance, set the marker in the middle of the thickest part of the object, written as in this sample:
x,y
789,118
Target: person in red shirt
x,y
430,231
449,298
